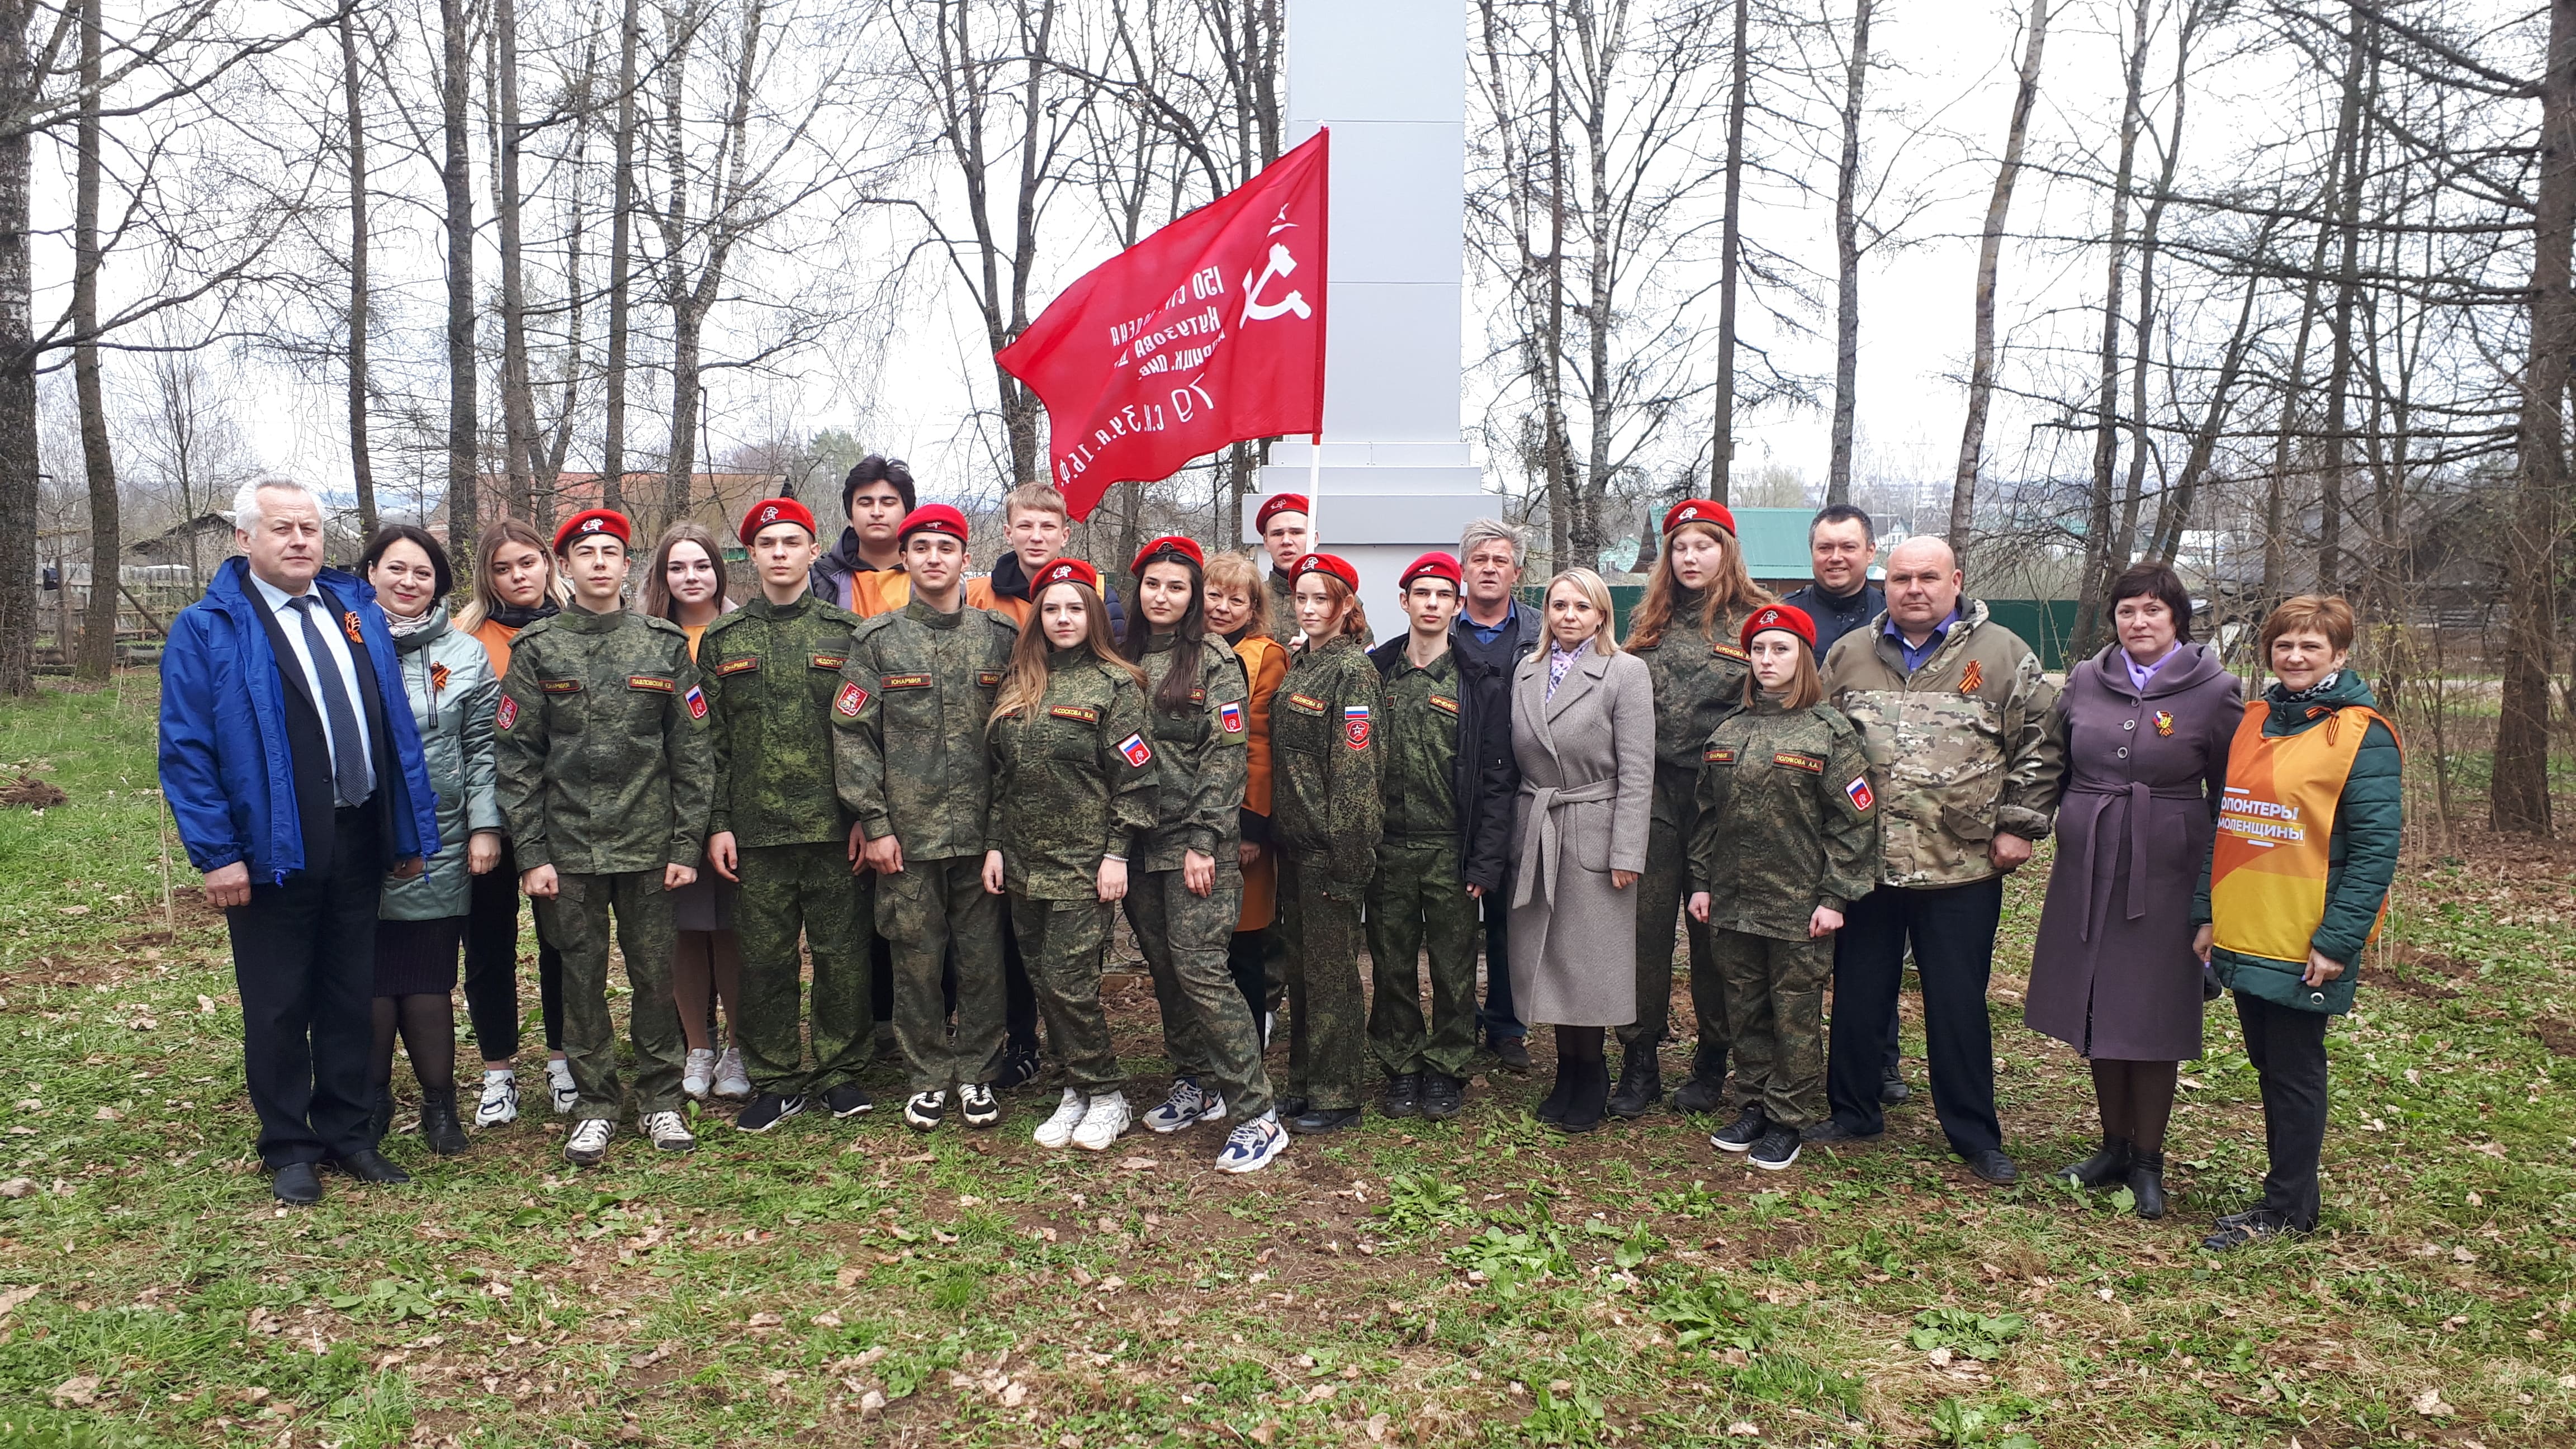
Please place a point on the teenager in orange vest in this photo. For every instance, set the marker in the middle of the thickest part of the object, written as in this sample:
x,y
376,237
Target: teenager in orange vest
x,y
1036,524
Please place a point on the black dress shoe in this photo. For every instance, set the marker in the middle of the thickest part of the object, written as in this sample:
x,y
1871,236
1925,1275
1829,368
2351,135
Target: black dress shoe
x,y
1894,1093
1513,1053
1404,1095
1832,1132
297,1185
2253,1227
1324,1119
2102,1169
1442,1096
368,1165
1991,1164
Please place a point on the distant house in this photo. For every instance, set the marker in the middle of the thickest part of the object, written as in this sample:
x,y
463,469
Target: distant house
x,y
200,543
717,500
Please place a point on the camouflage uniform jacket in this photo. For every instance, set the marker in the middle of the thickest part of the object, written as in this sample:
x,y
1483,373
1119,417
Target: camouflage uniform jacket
x,y
1958,749
1324,746
1199,757
1696,679
600,744
908,742
1073,780
1421,730
1788,819
1283,605
771,676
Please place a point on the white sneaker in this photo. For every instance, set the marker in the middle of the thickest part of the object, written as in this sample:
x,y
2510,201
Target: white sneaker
x,y
732,1082
975,1103
699,1074
668,1132
589,1141
924,1111
559,1082
1104,1121
1188,1106
1057,1130
500,1102
1251,1146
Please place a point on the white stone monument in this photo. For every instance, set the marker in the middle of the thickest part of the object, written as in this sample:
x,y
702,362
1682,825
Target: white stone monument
x,y
1390,78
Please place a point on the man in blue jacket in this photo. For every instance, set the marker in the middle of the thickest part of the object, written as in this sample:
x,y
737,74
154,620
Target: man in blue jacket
x,y
290,761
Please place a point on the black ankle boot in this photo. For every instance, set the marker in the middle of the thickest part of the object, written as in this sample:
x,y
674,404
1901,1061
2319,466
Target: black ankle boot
x,y
1551,1109
380,1118
1705,1092
2147,1184
1641,1081
2106,1168
438,1125
1591,1097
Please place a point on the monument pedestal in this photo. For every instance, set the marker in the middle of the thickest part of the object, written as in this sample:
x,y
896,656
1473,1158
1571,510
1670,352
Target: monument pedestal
x,y
1390,80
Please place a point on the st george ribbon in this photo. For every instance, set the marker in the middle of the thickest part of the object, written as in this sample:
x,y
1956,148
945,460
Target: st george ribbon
x,y
1207,333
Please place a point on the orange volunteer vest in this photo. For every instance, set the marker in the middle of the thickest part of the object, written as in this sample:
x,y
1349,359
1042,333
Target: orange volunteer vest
x,y
2267,869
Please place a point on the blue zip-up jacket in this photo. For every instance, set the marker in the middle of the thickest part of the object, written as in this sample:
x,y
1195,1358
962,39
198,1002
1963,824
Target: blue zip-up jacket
x,y
224,763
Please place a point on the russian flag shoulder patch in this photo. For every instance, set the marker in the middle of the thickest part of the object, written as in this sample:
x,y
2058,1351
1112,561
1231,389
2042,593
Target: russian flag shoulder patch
x,y
1136,750
1858,790
1230,715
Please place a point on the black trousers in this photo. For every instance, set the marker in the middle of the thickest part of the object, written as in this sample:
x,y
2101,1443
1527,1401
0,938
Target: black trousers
x,y
492,965
2288,1049
1500,1019
304,958
1952,929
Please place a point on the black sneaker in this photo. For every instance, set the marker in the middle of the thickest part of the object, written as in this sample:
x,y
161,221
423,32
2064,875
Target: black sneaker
x,y
848,1100
1404,1095
1832,1131
1777,1149
1019,1068
1442,1096
767,1110
1748,1128
1317,1120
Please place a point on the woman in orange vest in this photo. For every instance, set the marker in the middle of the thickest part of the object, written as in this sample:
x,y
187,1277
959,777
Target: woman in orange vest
x,y
1237,611
2297,882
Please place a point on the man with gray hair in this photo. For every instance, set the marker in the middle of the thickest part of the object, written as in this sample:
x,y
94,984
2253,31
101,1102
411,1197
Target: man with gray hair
x,y
291,764
1490,635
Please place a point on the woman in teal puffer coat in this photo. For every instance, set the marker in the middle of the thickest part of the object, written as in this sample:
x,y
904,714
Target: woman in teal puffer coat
x,y
421,922
2297,880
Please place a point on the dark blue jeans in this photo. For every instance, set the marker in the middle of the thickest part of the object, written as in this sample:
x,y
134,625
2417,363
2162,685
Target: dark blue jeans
x,y
1952,929
1498,1020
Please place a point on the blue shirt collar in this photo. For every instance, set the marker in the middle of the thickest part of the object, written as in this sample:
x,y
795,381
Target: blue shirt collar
x,y
1914,657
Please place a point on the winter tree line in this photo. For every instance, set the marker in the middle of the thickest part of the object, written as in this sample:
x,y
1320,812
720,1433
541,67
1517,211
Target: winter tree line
x,y
2289,299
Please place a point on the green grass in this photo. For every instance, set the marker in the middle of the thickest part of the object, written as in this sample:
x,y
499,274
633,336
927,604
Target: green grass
x,y
1470,1283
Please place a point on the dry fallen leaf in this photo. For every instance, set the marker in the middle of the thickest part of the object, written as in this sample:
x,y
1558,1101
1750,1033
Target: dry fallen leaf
x,y
80,1393
1744,1429
10,1300
1138,1164
2429,1404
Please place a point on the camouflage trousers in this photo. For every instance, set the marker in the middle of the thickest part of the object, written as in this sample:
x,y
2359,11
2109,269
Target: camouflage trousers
x,y
921,911
576,920
1660,895
788,891
1319,922
1062,941
1418,901
1775,996
1208,1029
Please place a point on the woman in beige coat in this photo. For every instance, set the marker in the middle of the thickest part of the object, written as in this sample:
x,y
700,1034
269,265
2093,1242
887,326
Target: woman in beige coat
x,y
1583,730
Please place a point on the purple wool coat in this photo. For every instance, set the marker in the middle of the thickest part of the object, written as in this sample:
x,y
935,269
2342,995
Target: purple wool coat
x,y
2113,974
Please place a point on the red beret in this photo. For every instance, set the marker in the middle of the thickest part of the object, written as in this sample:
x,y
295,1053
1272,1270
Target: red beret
x,y
933,518
1436,565
1065,571
776,510
1277,504
1698,510
1779,616
1324,563
594,520
1168,543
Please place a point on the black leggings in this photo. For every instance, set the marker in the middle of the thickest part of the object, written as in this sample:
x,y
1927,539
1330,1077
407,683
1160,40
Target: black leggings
x,y
2136,1099
492,966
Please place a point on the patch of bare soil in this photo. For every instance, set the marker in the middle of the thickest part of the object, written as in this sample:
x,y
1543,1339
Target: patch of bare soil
x,y
33,793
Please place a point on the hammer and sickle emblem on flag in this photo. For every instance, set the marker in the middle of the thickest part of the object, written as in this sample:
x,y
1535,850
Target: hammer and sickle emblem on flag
x,y
1281,265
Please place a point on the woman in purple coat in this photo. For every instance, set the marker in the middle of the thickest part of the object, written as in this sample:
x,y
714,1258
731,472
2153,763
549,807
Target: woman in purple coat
x,y
2146,725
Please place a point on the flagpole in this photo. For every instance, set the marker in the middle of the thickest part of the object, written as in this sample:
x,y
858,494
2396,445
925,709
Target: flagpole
x,y
1315,492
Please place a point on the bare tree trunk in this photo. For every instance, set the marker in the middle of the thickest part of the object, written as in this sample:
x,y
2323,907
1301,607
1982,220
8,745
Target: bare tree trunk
x,y
518,392
612,464
2348,169
1730,256
464,504
2276,523
19,606
98,621
1564,509
1981,369
2173,513
2519,798
1847,253
361,466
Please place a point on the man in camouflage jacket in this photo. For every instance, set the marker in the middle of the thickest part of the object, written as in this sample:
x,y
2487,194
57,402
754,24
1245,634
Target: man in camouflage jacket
x,y
909,759
604,776
1951,709
773,668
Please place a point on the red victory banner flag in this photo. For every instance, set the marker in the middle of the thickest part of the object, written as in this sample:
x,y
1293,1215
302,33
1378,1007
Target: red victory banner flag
x,y
1208,332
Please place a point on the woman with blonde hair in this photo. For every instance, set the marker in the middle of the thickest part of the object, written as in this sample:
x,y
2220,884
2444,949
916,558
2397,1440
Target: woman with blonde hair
x,y
1236,613
1583,732
687,585
1685,633
515,584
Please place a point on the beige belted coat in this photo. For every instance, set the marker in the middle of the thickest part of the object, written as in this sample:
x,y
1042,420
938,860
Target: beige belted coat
x,y
1587,761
